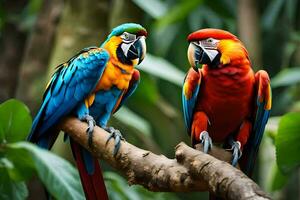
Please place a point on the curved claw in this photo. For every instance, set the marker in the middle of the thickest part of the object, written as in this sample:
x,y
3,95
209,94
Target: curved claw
x,y
237,152
91,124
116,134
206,141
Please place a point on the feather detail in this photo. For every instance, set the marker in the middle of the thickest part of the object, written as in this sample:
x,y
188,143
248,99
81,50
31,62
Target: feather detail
x,y
263,106
134,81
89,100
90,174
190,92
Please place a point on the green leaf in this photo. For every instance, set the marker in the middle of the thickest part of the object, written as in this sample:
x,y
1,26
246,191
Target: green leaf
x,y
278,180
287,142
178,12
129,118
165,71
286,77
10,189
22,164
154,8
2,134
118,188
272,127
15,121
162,46
117,184
59,176
6,163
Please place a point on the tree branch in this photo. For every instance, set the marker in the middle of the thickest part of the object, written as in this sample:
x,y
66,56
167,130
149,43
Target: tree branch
x,y
191,170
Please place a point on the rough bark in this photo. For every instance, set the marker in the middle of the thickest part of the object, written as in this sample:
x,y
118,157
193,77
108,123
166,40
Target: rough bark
x,y
191,170
39,46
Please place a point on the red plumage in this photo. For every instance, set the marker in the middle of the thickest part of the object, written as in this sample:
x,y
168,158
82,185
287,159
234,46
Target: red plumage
x,y
93,186
211,33
225,98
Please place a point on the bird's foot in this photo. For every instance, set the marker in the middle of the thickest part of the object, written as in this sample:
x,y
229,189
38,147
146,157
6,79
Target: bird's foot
x,y
116,134
206,141
91,124
236,152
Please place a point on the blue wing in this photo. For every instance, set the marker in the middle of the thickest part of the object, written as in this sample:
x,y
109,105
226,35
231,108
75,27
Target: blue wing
x,y
134,82
263,108
72,82
190,91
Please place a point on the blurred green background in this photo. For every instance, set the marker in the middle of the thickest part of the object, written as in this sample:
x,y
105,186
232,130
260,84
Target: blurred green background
x,y
37,35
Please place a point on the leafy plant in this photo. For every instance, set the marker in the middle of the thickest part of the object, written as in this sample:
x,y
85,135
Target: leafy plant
x,y
125,192
20,160
287,143
284,132
286,77
165,71
178,12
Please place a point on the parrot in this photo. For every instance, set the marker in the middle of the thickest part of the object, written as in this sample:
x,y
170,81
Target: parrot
x,y
224,101
92,85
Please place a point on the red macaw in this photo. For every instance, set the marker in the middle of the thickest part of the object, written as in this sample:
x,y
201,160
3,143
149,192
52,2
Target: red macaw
x,y
92,85
224,101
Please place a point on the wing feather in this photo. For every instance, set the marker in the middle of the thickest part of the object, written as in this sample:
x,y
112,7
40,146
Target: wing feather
x,y
134,82
67,88
190,92
263,108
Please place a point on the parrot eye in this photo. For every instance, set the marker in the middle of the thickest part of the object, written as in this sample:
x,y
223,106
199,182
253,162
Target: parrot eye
x,y
209,43
128,37
125,36
210,40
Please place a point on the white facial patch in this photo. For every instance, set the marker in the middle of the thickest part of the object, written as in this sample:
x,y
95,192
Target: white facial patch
x,y
128,37
128,40
125,48
209,43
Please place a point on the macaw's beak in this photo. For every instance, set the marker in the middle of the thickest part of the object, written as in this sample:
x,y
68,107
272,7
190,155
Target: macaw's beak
x,y
197,54
135,50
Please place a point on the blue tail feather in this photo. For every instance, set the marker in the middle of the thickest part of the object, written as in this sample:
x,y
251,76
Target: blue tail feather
x,y
88,161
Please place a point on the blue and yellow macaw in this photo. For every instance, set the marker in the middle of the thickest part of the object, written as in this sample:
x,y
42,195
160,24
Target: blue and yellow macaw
x,y
92,85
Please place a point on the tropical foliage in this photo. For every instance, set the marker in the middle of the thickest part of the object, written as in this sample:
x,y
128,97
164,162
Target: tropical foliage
x,y
152,118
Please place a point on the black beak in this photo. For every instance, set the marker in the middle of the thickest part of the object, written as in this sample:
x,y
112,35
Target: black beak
x,y
137,50
200,56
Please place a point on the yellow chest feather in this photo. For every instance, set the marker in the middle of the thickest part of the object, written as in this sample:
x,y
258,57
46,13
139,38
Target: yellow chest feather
x,y
115,74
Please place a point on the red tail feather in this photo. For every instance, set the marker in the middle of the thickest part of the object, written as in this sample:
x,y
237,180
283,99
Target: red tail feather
x,y
93,185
